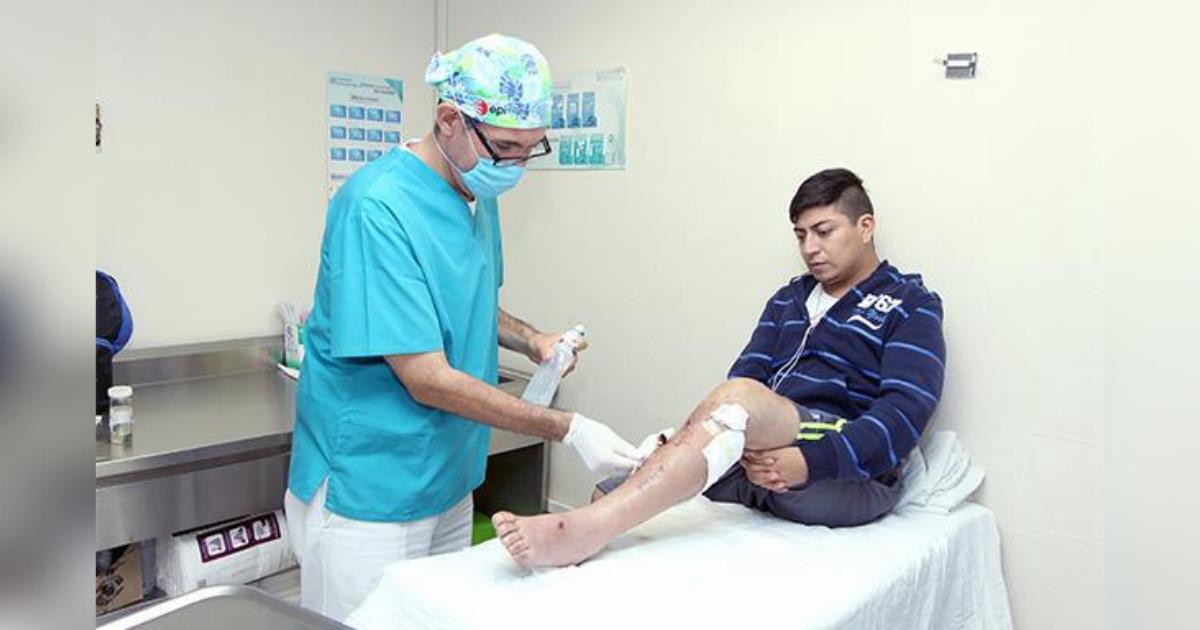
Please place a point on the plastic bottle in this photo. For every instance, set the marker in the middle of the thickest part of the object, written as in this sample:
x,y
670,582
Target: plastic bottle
x,y
120,414
300,335
544,383
291,345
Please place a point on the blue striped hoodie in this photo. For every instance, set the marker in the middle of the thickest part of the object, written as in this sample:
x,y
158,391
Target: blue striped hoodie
x,y
875,363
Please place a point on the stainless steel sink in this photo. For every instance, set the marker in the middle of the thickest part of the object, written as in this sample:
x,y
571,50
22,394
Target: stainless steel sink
x,y
240,607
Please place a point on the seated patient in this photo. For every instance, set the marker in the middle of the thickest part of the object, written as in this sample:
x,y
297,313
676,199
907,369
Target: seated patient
x,y
841,375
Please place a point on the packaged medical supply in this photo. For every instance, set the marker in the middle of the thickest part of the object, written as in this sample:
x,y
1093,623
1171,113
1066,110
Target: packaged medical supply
x,y
233,552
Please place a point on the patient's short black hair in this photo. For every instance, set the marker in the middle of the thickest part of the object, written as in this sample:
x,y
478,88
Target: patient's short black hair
x,y
832,186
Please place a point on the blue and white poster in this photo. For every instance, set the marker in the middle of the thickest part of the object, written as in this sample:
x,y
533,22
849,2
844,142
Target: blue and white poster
x,y
587,122
365,116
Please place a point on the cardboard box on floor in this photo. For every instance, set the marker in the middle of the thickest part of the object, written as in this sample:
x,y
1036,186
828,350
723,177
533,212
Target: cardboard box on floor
x,y
121,584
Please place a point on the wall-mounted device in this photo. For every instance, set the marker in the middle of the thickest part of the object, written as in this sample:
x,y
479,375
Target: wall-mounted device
x,y
959,65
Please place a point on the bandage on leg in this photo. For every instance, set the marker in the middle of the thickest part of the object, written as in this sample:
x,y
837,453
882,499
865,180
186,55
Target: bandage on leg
x,y
727,425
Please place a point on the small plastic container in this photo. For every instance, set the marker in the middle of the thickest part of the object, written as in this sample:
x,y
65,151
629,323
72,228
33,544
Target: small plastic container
x,y
120,414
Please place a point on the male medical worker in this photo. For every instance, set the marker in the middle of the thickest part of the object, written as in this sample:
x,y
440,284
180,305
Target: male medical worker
x,y
397,392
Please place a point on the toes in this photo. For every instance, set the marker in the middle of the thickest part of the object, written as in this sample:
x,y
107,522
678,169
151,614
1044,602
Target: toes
x,y
512,539
514,547
504,522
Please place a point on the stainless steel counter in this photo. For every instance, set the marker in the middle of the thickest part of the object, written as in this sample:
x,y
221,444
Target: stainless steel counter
x,y
201,420
214,444
221,419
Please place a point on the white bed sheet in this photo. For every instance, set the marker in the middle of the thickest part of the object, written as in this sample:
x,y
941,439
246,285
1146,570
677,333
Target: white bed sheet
x,y
705,564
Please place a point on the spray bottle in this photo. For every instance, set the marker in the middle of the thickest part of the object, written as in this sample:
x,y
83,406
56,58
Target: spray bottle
x,y
544,383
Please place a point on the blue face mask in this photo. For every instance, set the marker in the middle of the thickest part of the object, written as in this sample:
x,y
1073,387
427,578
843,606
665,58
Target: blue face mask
x,y
487,179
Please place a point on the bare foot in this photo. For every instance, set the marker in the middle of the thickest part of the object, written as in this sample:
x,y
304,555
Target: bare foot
x,y
549,540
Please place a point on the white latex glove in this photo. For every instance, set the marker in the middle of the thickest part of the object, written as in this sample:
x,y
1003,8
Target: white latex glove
x,y
601,449
652,442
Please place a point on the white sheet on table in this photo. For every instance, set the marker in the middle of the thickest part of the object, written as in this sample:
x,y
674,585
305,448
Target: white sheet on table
x,y
721,562
727,566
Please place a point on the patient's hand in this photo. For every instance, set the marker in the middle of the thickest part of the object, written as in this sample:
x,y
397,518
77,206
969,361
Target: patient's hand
x,y
777,469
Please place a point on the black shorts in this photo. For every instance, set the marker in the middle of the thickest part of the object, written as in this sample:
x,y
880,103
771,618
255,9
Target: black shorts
x,y
833,502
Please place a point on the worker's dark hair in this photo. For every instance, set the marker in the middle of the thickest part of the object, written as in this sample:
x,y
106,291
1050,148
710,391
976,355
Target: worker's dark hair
x,y
829,187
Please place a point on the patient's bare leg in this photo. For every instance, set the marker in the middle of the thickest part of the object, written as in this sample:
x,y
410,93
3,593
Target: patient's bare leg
x,y
675,472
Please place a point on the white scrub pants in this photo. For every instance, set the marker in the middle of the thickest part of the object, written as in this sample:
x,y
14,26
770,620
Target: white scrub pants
x,y
342,558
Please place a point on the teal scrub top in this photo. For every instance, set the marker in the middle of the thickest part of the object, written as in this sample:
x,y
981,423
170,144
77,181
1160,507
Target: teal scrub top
x,y
406,267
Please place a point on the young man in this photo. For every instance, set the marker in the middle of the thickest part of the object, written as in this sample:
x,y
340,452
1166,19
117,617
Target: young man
x,y
841,376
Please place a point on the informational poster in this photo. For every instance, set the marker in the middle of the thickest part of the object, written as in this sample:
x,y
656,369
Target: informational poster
x,y
587,122
364,121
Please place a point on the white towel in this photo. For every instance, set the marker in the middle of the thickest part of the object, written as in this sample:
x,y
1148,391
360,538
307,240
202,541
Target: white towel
x,y
939,475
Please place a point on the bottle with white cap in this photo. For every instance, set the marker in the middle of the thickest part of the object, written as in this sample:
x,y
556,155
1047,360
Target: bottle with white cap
x,y
544,383
120,414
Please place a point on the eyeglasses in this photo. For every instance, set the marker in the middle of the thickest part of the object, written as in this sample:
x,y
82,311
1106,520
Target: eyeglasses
x,y
542,149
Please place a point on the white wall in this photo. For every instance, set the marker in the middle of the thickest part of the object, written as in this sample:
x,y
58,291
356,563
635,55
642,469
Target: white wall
x,y
211,195
986,186
1149,151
